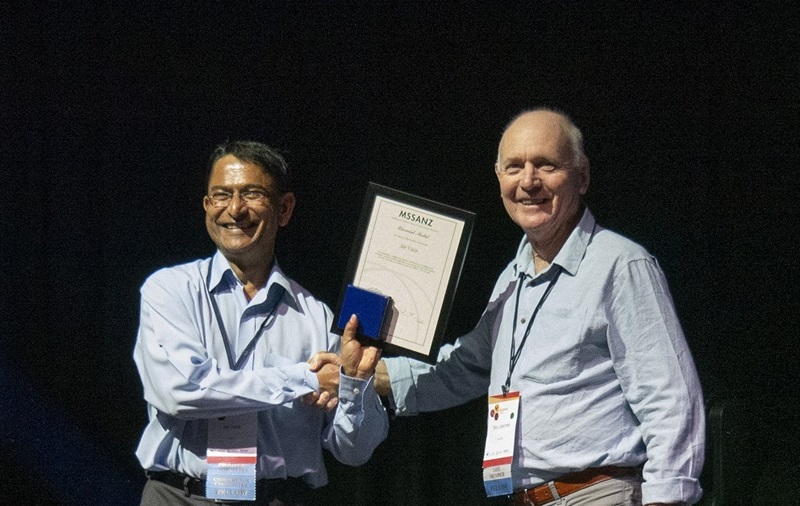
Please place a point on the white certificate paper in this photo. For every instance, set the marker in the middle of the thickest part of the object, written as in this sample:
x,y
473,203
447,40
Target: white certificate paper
x,y
412,250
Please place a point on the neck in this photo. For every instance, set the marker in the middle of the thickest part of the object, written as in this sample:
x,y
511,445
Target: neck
x,y
252,275
546,246
539,262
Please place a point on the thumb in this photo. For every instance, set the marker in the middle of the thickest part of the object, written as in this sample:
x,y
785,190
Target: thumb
x,y
350,329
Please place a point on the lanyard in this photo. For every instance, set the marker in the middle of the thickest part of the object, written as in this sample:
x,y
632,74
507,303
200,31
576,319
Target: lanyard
x,y
235,365
515,353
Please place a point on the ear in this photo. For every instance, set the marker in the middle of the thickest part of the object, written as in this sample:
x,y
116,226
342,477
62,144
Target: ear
x,y
206,203
585,175
287,208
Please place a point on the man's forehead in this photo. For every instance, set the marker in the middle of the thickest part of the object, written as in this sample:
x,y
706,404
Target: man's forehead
x,y
542,123
229,170
531,135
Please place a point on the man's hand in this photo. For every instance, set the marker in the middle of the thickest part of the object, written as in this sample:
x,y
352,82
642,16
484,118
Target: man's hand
x,y
382,382
326,365
358,360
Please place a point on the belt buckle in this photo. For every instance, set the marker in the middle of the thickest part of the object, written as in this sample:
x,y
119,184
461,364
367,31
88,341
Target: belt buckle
x,y
186,481
526,500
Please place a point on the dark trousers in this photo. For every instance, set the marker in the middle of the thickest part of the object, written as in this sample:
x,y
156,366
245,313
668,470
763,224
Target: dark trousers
x,y
279,493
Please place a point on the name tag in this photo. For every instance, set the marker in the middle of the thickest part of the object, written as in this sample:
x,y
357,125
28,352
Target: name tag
x,y
231,458
500,437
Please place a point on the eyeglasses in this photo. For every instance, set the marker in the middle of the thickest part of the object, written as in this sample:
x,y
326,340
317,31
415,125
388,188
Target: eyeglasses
x,y
251,198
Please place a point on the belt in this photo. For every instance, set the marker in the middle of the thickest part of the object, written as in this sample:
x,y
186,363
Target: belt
x,y
568,484
291,487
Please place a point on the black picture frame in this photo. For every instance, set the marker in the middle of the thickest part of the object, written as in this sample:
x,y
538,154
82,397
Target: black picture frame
x,y
459,243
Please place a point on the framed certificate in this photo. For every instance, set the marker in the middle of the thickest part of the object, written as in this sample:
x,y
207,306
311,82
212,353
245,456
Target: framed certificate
x,y
407,257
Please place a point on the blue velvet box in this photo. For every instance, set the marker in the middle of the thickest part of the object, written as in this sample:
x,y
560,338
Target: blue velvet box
x,y
370,308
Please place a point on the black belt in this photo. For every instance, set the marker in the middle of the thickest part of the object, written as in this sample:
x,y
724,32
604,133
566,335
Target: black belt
x,y
289,490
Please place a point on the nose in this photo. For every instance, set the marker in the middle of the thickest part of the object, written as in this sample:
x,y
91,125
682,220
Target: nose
x,y
237,205
530,176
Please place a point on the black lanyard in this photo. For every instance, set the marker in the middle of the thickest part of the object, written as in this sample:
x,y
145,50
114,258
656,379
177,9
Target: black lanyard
x,y
515,353
235,365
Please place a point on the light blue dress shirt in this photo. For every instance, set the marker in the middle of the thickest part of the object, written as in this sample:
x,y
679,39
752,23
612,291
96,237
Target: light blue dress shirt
x,y
605,376
186,371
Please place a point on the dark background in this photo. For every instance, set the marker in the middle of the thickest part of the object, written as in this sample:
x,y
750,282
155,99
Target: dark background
x,y
109,112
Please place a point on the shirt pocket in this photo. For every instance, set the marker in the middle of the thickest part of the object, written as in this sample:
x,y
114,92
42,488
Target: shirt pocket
x,y
275,360
552,352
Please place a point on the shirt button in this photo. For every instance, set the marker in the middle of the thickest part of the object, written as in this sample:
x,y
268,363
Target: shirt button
x,y
356,391
522,320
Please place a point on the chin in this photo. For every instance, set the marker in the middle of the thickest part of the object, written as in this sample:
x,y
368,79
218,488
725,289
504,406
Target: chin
x,y
236,248
532,222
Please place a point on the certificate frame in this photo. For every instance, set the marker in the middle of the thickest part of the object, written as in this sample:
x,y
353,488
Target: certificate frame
x,y
412,250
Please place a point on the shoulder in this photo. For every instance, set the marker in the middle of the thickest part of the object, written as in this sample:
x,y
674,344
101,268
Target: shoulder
x,y
177,276
612,256
616,247
615,257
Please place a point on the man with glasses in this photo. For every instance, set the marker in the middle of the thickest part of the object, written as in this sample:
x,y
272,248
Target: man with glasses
x,y
222,353
579,348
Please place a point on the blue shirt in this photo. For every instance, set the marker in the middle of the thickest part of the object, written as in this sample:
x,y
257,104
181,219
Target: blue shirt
x,y
188,377
605,376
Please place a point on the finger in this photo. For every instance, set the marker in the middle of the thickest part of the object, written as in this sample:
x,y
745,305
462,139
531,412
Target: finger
x,y
323,400
332,404
311,399
373,352
350,329
319,360
369,358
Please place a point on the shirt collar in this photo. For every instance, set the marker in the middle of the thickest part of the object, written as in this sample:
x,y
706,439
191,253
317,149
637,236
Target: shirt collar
x,y
222,275
570,255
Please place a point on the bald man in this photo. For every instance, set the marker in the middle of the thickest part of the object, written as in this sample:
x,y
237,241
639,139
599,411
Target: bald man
x,y
579,347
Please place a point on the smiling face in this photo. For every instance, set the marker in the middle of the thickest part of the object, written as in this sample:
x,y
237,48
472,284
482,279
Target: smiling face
x,y
245,232
541,182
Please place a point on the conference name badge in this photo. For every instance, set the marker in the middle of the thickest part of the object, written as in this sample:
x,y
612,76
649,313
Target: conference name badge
x,y
231,458
500,437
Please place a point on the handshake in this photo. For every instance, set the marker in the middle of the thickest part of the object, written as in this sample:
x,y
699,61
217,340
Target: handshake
x,y
355,359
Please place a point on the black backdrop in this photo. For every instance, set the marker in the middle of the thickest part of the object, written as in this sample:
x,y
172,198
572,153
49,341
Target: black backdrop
x,y
109,113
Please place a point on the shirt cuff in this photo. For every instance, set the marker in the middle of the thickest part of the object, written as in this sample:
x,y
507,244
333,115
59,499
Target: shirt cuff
x,y
671,491
404,391
352,389
309,378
